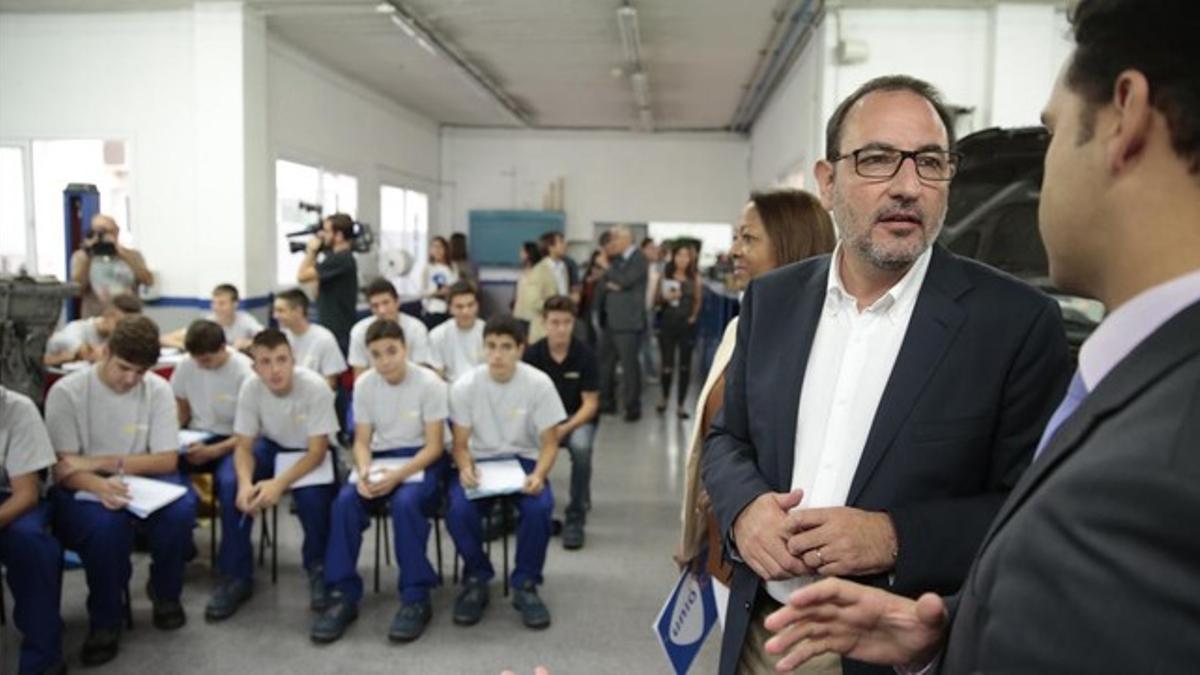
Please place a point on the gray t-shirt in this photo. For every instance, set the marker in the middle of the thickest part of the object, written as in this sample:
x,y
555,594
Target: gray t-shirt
x,y
212,394
317,350
505,418
244,326
24,443
288,420
455,350
74,335
398,413
416,339
85,416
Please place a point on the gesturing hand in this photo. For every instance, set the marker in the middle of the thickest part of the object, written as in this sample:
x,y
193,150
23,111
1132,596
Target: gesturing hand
x,y
842,541
863,623
760,533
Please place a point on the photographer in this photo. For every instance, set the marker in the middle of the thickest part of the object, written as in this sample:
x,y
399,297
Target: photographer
x,y
336,275
104,268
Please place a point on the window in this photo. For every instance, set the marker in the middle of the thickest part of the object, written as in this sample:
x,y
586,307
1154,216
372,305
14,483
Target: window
x,y
13,210
403,231
303,194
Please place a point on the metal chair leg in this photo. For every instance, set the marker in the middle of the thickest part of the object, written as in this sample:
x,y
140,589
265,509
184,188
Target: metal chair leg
x,y
504,523
128,608
3,612
264,538
385,521
275,545
437,536
378,536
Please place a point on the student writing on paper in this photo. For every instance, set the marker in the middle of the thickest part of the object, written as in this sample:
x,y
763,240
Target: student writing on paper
x,y
115,418
385,304
206,384
29,554
503,408
457,346
284,409
313,345
399,411
83,339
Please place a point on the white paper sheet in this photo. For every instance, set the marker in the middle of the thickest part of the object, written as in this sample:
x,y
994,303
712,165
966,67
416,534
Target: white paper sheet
x,y
383,465
146,495
189,436
502,477
322,475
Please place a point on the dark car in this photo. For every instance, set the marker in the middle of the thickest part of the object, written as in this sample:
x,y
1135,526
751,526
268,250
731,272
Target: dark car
x,y
993,216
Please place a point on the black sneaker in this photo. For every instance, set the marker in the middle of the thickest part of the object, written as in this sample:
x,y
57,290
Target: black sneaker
x,y
633,414
332,624
410,621
168,615
469,606
533,611
572,534
317,593
227,597
101,646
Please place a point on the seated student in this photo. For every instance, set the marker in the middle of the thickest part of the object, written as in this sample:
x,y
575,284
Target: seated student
x,y
284,409
381,295
29,553
457,346
240,327
313,345
575,372
399,411
206,385
110,420
81,339
501,409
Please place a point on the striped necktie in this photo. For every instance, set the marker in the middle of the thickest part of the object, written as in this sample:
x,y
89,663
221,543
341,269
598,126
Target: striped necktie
x,y
1076,392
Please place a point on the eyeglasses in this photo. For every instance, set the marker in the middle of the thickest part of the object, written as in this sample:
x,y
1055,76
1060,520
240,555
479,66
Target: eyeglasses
x,y
934,165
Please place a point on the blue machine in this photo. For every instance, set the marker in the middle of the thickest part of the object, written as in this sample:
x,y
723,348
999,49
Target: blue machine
x,y
81,201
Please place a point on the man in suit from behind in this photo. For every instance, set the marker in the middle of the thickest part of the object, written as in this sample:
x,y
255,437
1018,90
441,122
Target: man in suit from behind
x,y
1093,563
625,313
882,400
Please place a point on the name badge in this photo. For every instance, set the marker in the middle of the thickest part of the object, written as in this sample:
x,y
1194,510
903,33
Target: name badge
x,y
573,375
517,412
410,414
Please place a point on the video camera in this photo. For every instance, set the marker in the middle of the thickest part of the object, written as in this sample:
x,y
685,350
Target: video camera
x,y
361,237
101,246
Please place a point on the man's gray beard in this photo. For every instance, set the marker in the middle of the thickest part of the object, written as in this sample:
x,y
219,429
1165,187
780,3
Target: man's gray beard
x,y
887,260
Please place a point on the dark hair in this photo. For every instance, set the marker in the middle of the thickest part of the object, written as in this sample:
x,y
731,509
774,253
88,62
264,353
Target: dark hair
x,y
533,255
204,337
558,303
343,223
295,297
379,286
605,237
383,329
547,240
127,303
461,288
833,130
445,249
227,289
270,338
693,267
135,339
458,247
646,242
797,224
1157,39
505,324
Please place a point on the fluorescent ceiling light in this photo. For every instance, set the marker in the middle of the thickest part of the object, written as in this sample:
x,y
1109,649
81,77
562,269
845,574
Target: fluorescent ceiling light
x,y
385,8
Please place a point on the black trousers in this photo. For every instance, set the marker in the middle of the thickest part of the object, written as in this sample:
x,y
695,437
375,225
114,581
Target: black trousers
x,y
671,339
621,346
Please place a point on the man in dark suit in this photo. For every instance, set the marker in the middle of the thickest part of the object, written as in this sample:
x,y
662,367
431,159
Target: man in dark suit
x,y
625,313
892,391
1093,563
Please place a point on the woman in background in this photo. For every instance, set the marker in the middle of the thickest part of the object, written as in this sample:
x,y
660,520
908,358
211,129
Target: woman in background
x,y
439,275
527,303
677,295
462,265
776,228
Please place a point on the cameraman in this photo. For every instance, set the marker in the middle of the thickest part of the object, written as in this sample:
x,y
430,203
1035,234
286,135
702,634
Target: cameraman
x,y
104,268
336,276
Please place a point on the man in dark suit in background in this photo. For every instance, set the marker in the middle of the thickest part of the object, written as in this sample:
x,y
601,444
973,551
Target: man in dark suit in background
x,y
624,309
1093,563
892,391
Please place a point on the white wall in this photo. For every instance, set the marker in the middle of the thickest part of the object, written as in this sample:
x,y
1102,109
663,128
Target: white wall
x,y
1000,60
114,76
608,176
321,118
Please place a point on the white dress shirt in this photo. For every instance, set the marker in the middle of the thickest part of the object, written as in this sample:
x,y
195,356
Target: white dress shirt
x,y
848,367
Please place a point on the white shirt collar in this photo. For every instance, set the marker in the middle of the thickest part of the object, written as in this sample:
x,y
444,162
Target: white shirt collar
x,y
902,294
1133,322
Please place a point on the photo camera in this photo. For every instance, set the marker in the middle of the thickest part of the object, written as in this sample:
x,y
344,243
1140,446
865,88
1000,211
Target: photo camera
x,y
361,237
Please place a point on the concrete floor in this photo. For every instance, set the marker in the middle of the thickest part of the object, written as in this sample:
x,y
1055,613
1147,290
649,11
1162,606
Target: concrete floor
x,y
603,598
